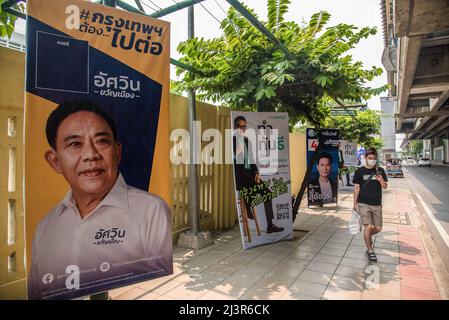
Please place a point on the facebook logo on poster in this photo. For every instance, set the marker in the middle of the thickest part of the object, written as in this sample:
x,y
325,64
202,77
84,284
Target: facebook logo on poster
x,y
62,63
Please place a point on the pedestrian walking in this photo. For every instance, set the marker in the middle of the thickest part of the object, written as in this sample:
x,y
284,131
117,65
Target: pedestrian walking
x,y
369,180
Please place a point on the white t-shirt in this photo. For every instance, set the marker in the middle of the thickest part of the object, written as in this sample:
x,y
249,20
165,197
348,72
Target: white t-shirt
x,y
326,191
127,237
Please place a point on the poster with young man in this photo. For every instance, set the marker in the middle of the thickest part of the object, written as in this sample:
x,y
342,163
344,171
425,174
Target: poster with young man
x,y
322,187
262,176
96,149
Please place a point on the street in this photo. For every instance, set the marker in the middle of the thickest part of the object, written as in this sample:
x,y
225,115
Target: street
x,y
431,186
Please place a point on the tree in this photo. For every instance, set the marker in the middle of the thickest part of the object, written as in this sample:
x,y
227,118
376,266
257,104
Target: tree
x,y
415,148
243,68
8,21
362,128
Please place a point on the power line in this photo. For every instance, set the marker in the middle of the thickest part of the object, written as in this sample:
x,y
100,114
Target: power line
x,y
218,4
147,5
154,4
219,22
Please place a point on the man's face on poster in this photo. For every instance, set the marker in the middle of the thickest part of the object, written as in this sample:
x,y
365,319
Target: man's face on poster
x,y
86,154
241,127
324,167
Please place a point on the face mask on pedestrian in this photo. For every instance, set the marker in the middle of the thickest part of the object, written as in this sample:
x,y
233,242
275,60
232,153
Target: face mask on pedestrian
x,y
371,163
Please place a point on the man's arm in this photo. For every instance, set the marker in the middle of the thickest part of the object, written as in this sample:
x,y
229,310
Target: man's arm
x,y
382,182
356,196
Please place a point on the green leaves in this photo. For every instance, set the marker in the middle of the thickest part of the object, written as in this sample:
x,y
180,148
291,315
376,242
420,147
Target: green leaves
x,y
8,21
276,11
265,92
242,67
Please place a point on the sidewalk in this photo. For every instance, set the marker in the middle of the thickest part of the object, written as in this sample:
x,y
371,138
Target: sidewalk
x,y
323,262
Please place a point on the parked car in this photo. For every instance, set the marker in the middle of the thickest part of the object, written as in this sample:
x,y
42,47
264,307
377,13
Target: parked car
x,y
424,162
410,161
394,168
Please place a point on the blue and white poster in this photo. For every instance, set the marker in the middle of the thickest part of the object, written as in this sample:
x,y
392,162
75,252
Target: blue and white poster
x,y
322,187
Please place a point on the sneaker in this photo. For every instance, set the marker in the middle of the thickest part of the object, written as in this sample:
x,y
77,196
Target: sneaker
x,y
371,256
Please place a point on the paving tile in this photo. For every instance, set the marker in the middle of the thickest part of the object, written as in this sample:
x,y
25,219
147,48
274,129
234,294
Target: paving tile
x,y
387,268
415,294
309,248
331,294
320,257
414,262
212,295
419,283
307,288
131,294
313,242
338,252
163,289
391,289
188,291
149,296
411,248
387,259
119,291
286,271
421,256
387,252
357,263
315,277
350,272
220,270
200,279
335,245
412,271
322,267
357,248
340,241
237,284
300,254
361,255
375,295
342,283
267,288
319,236
392,245
288,295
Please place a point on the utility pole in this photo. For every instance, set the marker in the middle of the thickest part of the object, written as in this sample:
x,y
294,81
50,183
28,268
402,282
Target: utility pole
x,y
193,239
193,173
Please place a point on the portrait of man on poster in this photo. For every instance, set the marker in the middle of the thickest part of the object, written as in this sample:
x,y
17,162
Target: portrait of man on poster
x,y
323,189
103,233
247,174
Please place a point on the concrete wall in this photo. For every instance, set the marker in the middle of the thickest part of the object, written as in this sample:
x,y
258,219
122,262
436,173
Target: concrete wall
x,y
12,244
298,164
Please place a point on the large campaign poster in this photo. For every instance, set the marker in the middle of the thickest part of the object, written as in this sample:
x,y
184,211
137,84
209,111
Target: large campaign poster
x,y
322,187
96,149
347,159
262,176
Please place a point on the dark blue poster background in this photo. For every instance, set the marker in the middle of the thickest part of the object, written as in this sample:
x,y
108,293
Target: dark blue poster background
x,y
323,189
